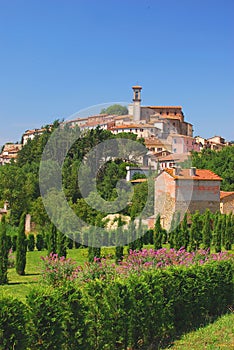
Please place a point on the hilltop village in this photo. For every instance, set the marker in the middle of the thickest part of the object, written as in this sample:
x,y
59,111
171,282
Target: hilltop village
x,y
169,139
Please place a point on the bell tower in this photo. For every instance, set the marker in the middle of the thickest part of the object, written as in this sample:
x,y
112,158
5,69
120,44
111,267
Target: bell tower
x,y
136,103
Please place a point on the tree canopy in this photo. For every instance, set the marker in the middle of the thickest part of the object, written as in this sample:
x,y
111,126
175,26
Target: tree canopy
x,y
115,109
221,162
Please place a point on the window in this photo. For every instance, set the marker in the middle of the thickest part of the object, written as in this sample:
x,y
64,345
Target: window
x,y
174,140
174,150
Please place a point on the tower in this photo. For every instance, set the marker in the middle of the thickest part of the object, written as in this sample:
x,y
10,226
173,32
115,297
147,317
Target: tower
x,y
136,103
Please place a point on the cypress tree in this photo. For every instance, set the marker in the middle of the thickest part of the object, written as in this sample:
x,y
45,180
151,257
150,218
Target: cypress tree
x,y
158,235
218,233
52,240
206,230
139,241
171,236
195,236
14,240
185,231
61,244
94,251
178,234
119,248
3,252
31,242
132,232
40,242
21,248
228,233
224,221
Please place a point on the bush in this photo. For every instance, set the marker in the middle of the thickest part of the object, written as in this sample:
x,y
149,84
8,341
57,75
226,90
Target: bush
x,y
104,306
46,319
39,242
31,242
13,324
14,240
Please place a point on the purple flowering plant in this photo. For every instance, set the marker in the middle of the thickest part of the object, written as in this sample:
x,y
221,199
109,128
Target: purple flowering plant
x,y
59,270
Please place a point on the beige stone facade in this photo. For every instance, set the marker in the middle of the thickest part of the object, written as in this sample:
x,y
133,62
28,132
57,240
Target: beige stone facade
x,y
226,202
184,191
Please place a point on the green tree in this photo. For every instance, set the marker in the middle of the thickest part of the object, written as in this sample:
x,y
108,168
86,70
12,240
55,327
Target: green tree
x,y
195,237
115,109
119,238
39,242
31,242
61,244
3,252
178,234
132,234
158,234
52,240
185,231
228,233
21,248
206,230
217,235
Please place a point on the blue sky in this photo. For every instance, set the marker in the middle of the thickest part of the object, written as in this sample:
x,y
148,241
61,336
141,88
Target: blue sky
x,y
60,56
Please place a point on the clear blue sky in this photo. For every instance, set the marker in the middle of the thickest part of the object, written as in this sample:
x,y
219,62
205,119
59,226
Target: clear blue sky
x,y
59,56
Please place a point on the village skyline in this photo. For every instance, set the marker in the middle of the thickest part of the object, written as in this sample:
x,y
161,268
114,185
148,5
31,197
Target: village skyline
x,y
59,58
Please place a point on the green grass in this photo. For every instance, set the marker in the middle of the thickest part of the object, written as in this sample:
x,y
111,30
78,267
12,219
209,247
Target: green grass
x,y
215,336
19,286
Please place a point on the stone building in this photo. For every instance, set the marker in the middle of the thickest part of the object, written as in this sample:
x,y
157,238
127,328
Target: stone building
x,y
185,190
226,202
9,153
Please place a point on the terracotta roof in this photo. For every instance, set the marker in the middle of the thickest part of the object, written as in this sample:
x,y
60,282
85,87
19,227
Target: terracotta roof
x,y
137,87
224,194
175,156
132,126
119,117
201,174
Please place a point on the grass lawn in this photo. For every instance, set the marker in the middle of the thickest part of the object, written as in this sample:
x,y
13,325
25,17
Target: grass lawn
x,y
19,286
218,335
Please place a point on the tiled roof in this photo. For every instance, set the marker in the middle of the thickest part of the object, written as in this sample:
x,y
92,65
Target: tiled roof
x,y
175,156
132,126
201,174
224,194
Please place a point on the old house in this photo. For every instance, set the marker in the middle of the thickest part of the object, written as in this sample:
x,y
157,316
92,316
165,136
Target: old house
x,y
226,202
185,190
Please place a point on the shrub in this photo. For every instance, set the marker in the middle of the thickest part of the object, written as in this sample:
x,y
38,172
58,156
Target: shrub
x,y
31,242
40,242
13,324
56,270
14,240
46,314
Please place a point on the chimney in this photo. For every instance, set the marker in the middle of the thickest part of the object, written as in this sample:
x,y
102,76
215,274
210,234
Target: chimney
x,y
193,171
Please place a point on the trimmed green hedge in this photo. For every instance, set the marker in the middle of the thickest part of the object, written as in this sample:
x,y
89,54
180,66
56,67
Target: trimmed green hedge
x,y
138,312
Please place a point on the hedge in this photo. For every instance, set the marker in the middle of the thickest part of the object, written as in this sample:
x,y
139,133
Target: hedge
x,y
141,311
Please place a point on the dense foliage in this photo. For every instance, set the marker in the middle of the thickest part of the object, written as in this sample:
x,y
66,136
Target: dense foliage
x,y
135,311
19,182
221,162
115,109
